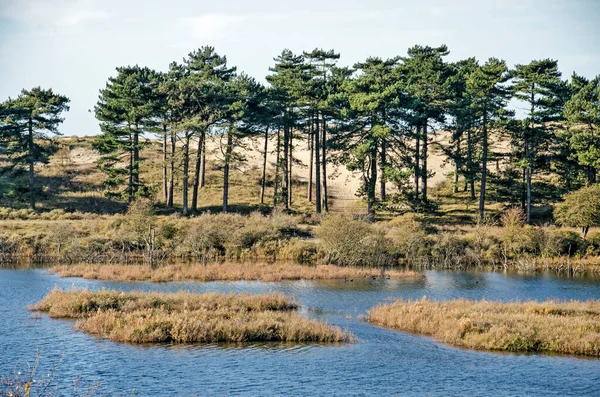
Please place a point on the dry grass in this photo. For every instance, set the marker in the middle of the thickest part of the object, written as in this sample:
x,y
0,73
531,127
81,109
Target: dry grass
x,y
547,327
139,317
224,272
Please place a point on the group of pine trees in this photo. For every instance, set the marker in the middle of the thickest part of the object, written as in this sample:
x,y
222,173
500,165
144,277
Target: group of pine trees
x,y
380,118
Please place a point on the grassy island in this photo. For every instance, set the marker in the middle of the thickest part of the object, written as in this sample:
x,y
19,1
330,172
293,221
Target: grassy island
x,y
225,272
139,317
542,327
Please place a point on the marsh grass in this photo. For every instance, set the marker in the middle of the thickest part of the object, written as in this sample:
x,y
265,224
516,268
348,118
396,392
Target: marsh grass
x,y
544,327
225,272
138,317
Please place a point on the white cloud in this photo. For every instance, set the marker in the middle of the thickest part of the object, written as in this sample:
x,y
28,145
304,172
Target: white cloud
x,y
209,26
52,13
78,17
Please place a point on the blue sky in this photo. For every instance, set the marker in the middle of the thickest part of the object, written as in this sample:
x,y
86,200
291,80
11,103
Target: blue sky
x,y
73,46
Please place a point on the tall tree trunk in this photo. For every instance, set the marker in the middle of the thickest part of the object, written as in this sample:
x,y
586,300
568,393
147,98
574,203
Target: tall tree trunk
x,y
30,160
470,170
528,155
290,165
311,139
317,167
456,162
197,174
523,189
424,167
528,176
527,183
383,165
172,171
203,162
277,167
371,185
164,150
228,151
130,170
285,167
263,179
324,165
136,160
186,167
417,160
484,158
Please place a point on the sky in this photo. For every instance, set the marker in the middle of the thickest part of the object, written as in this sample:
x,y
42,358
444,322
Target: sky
x,y
73,46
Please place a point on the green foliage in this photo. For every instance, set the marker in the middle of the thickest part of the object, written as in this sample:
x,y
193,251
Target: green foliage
x,y
582,112
126,109
350,242
408,237
26,122
537,84
580,209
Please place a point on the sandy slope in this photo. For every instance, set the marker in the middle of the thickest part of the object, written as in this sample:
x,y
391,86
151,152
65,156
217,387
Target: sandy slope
x,y
342,183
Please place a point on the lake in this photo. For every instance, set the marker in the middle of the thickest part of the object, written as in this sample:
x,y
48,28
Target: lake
x,y
382,362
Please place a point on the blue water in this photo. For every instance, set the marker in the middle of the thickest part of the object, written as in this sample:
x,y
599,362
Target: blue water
x,y
382,362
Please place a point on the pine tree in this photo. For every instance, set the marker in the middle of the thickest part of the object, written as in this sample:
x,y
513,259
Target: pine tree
x,y
260,118
24,122
370,96
582,112
426,78
126,110
536,84
488,100
208,73
321,63
461,146
174,100
243,96
288,79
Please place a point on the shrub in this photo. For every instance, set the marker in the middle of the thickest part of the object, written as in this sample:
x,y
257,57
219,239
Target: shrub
x,y
449,251
580,209
517,237
567,242
593,240
207,235
483,242
408,237
300,251
351,242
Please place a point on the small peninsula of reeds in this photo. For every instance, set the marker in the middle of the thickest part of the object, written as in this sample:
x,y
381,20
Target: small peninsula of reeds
x,y
141,317
542,327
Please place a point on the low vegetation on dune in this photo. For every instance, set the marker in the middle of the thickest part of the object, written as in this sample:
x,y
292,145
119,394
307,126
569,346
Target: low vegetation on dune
x,y
417,242
138,317
226,272
542,327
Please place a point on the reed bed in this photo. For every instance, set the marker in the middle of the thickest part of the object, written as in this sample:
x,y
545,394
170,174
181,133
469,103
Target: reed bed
x,y
139,317
542,327
224,272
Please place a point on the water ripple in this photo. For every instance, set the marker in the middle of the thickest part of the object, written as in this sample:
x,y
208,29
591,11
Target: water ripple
x,y
382,362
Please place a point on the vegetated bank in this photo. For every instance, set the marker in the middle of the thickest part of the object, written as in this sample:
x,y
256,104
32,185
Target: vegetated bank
x,y
541,327
139,317
311,247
